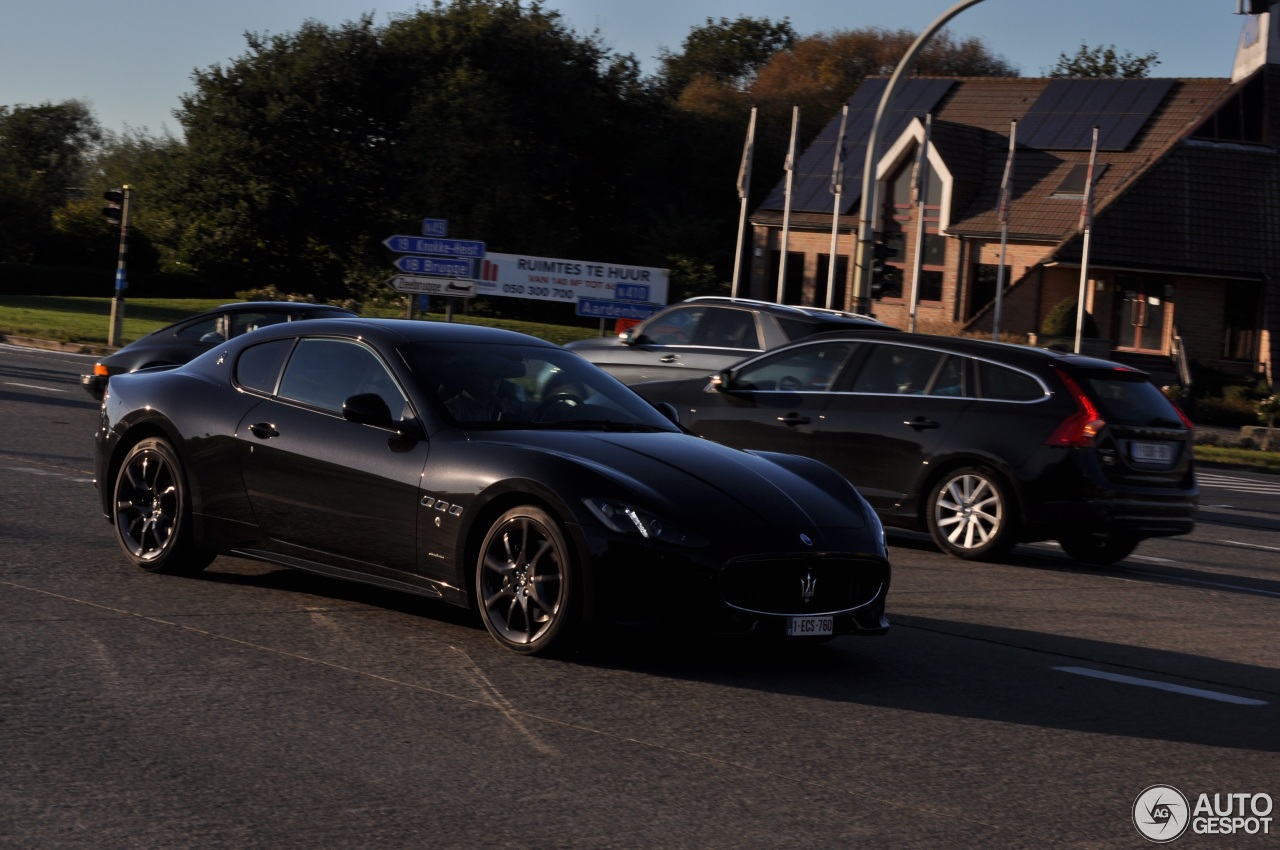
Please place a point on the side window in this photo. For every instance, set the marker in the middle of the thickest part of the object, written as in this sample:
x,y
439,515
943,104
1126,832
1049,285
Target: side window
x,y
810,368
723,327
259,366
326,372
1005,384
897,369
951,378
675,327
244,322
212,331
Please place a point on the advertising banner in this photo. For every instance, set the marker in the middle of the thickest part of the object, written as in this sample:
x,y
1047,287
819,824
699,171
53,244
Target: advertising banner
x,y
569,281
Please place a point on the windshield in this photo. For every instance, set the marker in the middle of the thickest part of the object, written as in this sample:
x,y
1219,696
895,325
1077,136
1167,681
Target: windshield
x,y
515,386
1129,398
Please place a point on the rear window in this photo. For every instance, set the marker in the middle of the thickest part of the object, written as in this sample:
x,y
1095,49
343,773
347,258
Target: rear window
x,y
1129,398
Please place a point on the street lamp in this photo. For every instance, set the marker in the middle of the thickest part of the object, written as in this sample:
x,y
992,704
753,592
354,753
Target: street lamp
x,y
866,215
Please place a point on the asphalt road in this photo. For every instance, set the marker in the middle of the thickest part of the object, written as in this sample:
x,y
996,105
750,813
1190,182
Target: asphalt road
x,y
1020,704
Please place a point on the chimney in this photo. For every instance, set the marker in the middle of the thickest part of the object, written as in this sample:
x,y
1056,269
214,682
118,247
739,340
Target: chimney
x,y
1259,38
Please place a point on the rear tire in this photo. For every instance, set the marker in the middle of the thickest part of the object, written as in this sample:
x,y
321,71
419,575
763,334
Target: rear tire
x,y
971,514
152,510
1101,551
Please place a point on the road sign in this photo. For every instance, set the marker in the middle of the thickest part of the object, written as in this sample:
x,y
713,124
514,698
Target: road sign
x,y
599,309
437,227
434,285
436,266
467,248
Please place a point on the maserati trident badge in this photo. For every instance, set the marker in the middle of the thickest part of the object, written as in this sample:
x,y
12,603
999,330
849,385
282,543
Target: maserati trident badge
x,y
807,585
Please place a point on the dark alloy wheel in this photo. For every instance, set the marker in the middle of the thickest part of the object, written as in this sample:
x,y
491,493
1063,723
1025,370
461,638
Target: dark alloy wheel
x,y
524,581
971,514
153,511
1088,549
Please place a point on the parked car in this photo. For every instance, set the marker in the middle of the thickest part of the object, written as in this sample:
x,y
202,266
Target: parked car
x,y
191,337
700,336
982,444
450,461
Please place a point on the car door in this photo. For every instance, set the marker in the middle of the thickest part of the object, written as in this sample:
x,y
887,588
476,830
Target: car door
x,y
322,487
892,414
686,342
776,402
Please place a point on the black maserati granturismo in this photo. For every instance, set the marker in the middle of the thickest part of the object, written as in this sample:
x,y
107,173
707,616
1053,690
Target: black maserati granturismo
x,y
485,468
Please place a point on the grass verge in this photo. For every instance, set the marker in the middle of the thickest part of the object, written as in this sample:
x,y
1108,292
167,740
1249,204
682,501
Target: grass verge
x,y
1252,458
87,320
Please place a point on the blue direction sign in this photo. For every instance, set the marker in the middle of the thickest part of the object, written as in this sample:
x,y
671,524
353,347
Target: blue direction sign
x,y
436,227
467,248
600,309
436,266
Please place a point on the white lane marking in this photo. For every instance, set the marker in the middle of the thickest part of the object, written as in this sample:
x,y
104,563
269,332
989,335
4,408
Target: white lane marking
x,y
33,387
1162,686
1250,545
30,471
1215,481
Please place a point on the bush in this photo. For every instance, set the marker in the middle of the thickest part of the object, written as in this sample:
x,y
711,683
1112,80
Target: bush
x,y
1061,321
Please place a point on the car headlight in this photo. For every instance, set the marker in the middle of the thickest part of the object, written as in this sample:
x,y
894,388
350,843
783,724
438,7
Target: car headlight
x,y
627,519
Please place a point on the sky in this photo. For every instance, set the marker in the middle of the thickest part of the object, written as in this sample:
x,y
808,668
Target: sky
x,y
132,60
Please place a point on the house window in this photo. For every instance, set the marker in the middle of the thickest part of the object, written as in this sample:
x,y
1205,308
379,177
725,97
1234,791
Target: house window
x,y
1241,308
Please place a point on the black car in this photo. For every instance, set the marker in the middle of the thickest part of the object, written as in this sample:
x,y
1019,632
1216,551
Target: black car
x,y
485,468
983,444
192,337
701,336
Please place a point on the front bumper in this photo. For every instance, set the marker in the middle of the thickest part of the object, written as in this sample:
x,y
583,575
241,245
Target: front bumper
x,y
713,591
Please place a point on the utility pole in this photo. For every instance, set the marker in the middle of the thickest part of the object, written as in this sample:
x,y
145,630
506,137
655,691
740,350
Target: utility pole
x,y
117,209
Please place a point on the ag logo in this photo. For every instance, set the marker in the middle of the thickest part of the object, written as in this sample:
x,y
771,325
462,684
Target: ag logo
x,y
1161,813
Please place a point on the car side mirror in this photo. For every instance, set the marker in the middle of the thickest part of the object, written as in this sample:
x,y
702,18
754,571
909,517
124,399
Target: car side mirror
x,y
722,382
668,410
367,409
630,337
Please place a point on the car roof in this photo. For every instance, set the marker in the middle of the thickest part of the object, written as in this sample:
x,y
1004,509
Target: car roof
x,y
300,306
787,310
1003,351
400,331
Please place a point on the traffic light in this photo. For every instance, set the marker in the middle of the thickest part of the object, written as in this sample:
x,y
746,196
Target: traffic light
x,y
114,210
885,280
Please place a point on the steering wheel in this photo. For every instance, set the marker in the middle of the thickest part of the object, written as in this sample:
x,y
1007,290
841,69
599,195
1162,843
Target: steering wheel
x,y
789,383
571,399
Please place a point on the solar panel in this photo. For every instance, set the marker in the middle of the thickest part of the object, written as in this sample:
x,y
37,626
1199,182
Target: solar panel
x,y
811,186
1064,115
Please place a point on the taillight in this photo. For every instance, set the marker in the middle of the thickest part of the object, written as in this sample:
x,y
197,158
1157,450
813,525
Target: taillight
x,y
1182,416
1081,427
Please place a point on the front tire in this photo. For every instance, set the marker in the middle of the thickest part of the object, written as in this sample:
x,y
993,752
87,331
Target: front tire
x,y
152,511
971,514
525,582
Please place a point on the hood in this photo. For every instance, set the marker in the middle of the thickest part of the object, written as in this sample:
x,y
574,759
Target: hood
x,y
682,477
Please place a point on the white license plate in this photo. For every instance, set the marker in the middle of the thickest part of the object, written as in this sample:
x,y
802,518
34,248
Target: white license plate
x,y
1151,452
808,626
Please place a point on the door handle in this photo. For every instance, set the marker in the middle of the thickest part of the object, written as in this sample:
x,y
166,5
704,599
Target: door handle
x,y
669,358
922,424
264,430
791,420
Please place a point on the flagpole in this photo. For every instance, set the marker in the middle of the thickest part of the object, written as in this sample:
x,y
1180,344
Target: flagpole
x,y
786,213
837,188
1006,199
921,186
744,189
1086,224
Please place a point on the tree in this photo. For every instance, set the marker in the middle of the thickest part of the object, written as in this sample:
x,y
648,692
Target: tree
x,y
307,151
729,53
1103,62
43,154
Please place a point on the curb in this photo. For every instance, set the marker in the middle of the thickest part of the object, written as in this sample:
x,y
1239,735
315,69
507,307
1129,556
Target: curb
x,y
56,345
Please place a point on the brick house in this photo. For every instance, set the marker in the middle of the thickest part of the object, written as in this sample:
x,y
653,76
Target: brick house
x,y
1184,248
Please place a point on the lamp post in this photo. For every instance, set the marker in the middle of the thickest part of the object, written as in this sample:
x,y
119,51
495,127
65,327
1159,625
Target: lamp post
x,y
866,214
